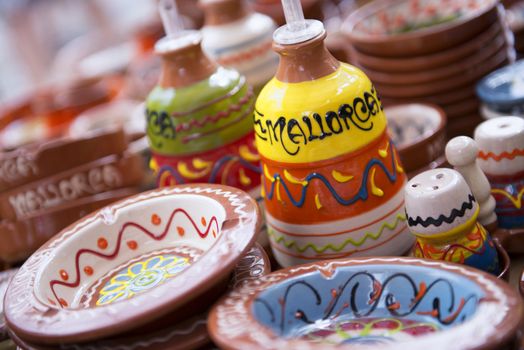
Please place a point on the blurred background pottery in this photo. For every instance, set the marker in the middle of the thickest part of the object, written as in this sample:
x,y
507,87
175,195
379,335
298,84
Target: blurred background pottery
x,y
238,38
502,92
307,306
419,133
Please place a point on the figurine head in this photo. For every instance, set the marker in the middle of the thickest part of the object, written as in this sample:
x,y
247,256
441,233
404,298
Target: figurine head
x,y
501,144
439,202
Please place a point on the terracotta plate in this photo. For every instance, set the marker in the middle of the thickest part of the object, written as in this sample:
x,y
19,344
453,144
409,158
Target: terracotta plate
x,y
190,334
132,263
369,303
5,277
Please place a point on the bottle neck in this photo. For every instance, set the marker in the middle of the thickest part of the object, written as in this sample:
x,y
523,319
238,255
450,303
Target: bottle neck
x,y
220,12
185,66
306,61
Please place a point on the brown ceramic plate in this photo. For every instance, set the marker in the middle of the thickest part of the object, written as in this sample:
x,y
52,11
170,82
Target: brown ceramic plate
x,y
418,131
21,238
462,108
455,95
469,76
433,75
36,161
190,334
429,62
353,304
162,252
5,277
406,28
104,174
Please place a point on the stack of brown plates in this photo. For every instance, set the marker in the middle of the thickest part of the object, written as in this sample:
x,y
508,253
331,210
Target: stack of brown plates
x,y
430,51
46,186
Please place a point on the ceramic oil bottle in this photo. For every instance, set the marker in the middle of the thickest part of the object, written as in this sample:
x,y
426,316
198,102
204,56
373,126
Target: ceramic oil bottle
x,y
199,119
332,179
442,214
501,157
240,39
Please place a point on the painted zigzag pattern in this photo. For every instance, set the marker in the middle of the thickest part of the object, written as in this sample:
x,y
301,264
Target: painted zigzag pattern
x,y
455,213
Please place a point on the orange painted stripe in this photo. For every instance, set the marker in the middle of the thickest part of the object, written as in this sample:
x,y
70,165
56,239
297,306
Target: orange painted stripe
x,y
504,155
337,255
340,232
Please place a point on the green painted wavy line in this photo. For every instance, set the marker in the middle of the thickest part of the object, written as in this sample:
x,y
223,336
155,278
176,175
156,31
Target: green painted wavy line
x,y
337,248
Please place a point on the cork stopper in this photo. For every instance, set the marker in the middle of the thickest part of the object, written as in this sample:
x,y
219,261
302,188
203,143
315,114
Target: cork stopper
x,y
439,201
501,146
219,12
461,152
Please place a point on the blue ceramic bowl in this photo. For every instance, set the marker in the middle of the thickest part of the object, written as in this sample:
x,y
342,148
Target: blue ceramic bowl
x,y
503,90
371,303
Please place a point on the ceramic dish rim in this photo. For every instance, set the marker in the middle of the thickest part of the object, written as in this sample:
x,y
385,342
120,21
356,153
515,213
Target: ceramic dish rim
x,y
424,137
372,8
34,321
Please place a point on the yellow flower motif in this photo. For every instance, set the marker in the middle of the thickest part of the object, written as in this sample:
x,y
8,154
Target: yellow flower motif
x,y
140,277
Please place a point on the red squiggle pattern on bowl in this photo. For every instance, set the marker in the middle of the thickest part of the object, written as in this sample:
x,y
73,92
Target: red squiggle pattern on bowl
x,y
110,256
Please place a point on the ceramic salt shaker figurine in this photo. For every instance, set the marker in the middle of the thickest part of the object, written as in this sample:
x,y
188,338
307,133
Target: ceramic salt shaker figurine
x,y
241,39
442,213
199,117
332,179
461,152
501,157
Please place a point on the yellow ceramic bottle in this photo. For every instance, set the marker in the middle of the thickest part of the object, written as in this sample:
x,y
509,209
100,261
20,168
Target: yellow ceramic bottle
x,y
332,179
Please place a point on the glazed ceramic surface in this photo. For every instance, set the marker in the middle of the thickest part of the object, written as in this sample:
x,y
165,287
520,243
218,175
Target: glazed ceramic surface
x,y
439,60
104,174
155,251
501,157
503,90
412,15
245,45
417,130
386,303
442,213
188,334
417,27
5,277
36,161
332,179
200,129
